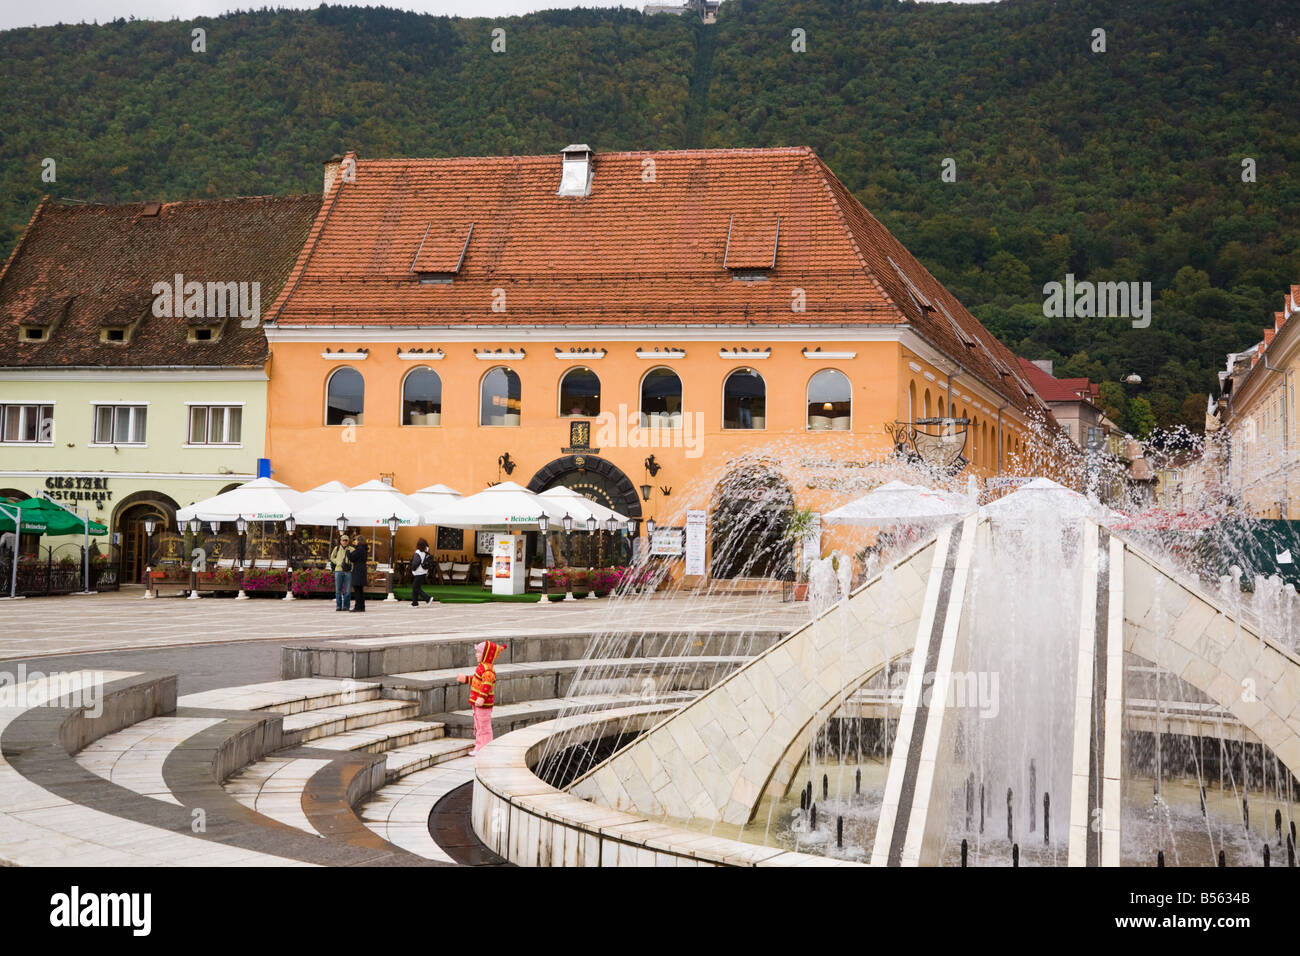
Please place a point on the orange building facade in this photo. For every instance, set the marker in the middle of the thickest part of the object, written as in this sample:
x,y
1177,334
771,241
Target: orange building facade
x,y
560,320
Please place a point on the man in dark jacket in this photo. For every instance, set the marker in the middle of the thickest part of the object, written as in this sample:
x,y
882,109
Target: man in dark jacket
x,y
359,555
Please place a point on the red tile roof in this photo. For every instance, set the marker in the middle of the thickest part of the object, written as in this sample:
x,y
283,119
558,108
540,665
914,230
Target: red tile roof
x,y
1052,389
93,266
638,250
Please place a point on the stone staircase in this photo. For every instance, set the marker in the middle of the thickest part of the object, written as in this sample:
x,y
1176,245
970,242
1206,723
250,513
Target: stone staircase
x,y
366,765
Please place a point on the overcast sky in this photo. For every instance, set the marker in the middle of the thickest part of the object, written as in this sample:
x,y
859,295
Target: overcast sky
x,y
22,13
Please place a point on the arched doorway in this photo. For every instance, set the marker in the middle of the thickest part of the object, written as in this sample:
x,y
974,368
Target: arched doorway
x,y
751,511
604,483
128,520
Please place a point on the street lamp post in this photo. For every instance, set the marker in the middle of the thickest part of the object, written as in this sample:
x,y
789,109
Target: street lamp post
x,y
592,553
149,524
289,525
195,527
567,520
241,526
611,526
394,523
543,525
16,516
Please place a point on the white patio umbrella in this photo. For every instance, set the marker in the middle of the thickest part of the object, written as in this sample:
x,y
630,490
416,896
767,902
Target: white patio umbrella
x,y
900,503
262,499
580,507
1043,500
314,495
503,507
368,505
434,500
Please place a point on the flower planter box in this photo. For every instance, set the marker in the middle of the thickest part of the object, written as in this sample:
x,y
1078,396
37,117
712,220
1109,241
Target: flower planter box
x,y
266,581
313,582
218,581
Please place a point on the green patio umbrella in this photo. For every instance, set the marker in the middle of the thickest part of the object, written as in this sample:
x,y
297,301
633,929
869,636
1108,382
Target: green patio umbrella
x,y
39,516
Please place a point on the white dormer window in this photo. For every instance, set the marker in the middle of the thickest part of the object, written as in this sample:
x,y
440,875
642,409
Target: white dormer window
x,y
575,170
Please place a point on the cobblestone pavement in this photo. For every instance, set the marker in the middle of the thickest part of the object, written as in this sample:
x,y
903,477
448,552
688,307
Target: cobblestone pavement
x,y
40,628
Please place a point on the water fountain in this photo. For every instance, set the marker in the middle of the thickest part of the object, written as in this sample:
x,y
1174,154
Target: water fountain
x,y
1040,620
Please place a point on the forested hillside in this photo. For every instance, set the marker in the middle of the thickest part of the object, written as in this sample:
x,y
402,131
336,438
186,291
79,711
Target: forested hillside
x,y
1125,164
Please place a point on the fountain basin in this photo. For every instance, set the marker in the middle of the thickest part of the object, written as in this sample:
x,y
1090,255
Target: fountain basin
x,y
531,823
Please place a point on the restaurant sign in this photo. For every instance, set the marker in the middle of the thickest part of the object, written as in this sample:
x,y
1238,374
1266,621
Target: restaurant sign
x,y
78,488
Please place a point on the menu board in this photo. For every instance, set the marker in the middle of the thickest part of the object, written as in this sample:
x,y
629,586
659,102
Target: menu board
x,y
668,542
695,541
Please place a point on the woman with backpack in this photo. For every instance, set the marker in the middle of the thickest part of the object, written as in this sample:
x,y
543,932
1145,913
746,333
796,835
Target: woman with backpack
x,y
420,564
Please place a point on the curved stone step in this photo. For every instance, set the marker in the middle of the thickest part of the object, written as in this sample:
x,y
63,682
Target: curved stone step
x,y
314,788
285,696
508,717
134,756
417,757
55,812
369,658
382,738
310,725
399,812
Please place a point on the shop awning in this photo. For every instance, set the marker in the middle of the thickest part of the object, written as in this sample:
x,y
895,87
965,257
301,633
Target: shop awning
x,y
39,516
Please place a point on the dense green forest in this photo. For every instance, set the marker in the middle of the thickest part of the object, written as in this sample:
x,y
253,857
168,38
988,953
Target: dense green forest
x,y
1124,164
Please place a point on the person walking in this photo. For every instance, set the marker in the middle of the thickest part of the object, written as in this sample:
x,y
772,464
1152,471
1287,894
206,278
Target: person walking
x,y
359,556
342,569
420,563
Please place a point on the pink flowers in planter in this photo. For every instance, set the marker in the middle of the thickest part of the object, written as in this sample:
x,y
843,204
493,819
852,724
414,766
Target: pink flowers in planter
x,y
312,581
604,580
266,579
600,580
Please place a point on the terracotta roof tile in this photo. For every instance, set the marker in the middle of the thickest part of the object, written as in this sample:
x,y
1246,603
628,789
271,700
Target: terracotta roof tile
x,y
99,263
632,251
1052,389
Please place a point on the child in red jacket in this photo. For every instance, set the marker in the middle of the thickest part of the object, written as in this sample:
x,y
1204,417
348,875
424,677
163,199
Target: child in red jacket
x,y
481,691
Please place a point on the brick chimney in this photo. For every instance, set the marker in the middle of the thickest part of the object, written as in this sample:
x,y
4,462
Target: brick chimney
x,y
332,166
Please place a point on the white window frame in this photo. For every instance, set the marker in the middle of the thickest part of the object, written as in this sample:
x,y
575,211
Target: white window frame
x,y
642,415
20,443
807,425
559,392
225,407
94,424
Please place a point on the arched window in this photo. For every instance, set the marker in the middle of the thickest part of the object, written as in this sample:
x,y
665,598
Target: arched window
x,y
499,398
345,397
661,399
927,403
830,401
580,393
911,401
422,397
744,400
942,406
